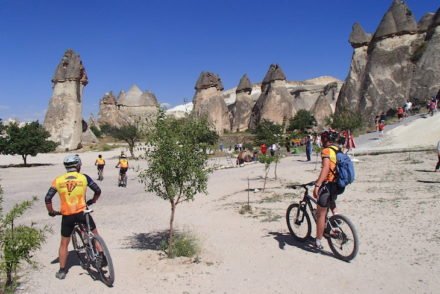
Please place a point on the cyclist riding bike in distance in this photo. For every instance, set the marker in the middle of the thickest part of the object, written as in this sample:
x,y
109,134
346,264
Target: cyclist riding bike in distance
x,y
326,189
71,188
100,163
123,165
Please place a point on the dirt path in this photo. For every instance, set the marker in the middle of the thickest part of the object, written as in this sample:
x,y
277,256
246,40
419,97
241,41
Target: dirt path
x,y
394,204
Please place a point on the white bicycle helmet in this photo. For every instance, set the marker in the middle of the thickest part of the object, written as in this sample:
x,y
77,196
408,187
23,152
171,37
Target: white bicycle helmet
x,y
72,162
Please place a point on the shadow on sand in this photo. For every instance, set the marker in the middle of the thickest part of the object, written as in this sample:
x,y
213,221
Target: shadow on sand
x,y
28,165
428,182
287,239
147,241
425,171
73,260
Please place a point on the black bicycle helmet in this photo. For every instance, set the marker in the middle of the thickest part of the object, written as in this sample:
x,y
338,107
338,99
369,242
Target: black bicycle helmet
x,y
72,162
330,135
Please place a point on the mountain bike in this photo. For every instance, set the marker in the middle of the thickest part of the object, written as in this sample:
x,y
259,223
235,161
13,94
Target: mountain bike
x,y
100,174
339,230
122,179
86,245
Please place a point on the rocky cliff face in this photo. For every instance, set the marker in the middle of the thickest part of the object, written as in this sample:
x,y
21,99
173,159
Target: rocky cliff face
x,y
241,109
63,118
128,107
400,62
275,102
208,101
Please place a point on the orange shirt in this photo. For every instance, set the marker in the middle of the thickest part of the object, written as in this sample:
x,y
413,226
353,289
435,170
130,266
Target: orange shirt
x,y
71,187
331,154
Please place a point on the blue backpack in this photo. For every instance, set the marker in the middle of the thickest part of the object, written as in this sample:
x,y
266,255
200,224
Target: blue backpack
x,y
344,169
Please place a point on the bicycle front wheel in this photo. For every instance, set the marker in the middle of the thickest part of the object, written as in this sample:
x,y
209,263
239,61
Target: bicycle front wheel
x,y
298,222
343,239
104,265
80,247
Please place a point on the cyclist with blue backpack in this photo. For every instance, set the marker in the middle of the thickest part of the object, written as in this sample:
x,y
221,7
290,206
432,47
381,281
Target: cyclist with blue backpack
x,y
336,172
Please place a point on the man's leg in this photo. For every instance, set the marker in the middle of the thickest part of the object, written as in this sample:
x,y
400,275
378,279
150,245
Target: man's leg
x,y
320,224
63,254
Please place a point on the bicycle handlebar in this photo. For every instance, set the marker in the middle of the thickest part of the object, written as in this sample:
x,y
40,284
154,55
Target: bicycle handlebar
x,y
301,185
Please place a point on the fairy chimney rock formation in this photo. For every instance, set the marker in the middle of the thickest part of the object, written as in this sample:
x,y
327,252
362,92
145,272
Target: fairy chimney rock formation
x,y
241,110
358,37
63,118
208,101
133,105
397,20
275,102
382,70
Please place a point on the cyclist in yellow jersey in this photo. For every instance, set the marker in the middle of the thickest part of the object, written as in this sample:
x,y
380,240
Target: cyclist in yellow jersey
x,y
71,187
123,165
326,190
100,163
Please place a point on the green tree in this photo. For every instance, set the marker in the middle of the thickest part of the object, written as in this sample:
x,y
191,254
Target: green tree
x,y
131,133
29,139
345,119
17,242
302,121
268,132
177,162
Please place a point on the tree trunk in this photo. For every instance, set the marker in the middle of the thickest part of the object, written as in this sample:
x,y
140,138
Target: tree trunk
x,y
8,274
171,235
24,159
267,168
276,164
131,147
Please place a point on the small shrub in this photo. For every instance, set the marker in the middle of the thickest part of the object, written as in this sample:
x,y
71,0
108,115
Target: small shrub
x,y
184,245
245,209
96,131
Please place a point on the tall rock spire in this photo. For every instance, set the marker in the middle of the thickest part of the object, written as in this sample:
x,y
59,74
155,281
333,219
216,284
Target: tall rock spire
x,y
358,36
64,115
244,85
208,101
397,20
241,110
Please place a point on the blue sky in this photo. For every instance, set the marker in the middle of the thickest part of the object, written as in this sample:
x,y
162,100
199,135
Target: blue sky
x,y
164,45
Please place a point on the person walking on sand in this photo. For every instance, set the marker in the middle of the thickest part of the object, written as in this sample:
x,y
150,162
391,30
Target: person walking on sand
x,y
437,166
309,147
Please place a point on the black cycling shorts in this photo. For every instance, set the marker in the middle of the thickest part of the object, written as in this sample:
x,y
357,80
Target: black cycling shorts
x,y
100,166
123,170
69,221
328,193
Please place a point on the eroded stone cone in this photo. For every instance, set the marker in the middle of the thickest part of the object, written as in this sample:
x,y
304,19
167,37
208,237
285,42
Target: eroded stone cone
x,y
63,118
208,101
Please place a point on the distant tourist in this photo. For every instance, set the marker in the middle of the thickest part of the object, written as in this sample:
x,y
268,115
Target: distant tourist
x,y
309,147
407,107
400,113
263,149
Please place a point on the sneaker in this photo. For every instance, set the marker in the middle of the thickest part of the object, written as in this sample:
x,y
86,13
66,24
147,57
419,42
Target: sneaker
x,y
318,244
61,274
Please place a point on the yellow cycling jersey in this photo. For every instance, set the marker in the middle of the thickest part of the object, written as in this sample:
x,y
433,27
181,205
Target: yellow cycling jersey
x,y
123,163
72,188
100,161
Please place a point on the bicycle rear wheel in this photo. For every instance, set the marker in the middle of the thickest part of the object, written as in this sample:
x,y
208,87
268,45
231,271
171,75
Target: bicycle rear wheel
x,y
80,247
343,239
298,222
104,265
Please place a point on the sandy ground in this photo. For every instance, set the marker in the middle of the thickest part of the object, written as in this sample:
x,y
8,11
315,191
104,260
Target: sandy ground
x,y
394,204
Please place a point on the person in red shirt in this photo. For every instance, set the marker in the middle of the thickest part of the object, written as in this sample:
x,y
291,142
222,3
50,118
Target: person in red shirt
x,y
263,149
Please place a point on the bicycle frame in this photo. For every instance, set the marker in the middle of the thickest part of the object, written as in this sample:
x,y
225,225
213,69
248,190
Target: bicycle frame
x,y
88,235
